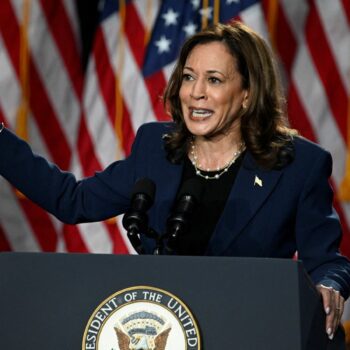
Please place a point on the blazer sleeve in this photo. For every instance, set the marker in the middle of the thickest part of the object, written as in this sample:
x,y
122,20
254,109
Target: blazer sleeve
x,y
95,198
318,229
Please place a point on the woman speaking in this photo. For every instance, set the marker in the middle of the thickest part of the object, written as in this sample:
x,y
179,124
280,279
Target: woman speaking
x,y
264,190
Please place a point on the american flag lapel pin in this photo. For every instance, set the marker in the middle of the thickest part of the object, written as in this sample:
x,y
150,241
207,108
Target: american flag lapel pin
x,y
258,181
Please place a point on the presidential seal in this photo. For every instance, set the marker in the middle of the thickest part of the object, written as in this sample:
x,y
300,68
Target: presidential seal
x,y
141,318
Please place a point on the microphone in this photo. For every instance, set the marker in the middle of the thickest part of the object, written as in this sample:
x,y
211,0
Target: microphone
x,y
135,220
178,222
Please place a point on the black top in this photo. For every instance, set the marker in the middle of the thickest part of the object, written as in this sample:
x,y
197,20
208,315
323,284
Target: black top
x,y
208,212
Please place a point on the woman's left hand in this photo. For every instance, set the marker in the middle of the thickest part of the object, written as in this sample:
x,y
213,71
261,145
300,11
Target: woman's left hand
x,y
333,304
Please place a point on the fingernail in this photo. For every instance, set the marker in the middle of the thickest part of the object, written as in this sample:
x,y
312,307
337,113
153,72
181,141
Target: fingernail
x,y
329,331
327,310
331,336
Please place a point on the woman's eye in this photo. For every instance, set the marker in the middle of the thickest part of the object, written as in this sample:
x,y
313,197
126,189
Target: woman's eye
x,y
214,80
187,77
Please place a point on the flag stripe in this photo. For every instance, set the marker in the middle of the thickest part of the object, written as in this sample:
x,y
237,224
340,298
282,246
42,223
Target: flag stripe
x,y
4,243
73,240
99,124
65,39
135,33
17,231
46,120
52,74
86,149
327,69
286,44
40,222
156,84
298,116
42,110
336,29
314,101
134,91
346,5
119,245
105,74
9,87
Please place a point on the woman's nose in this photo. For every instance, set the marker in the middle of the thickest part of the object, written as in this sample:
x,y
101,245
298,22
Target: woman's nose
x,y
198,90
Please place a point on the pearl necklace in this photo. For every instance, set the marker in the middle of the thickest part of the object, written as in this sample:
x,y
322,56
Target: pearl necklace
x,y
221,171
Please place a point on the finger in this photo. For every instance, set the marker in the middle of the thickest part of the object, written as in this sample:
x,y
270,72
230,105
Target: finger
x,y
342,304
339,306
337,310
326,298
328,304
331,318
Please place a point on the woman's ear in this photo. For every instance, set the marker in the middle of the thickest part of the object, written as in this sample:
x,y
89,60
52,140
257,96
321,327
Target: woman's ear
x,y
245,99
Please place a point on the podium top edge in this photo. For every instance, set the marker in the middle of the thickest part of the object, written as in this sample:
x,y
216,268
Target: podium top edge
x,y
58,255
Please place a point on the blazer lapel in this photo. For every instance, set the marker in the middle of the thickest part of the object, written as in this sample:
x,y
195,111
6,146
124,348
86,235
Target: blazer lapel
x,y
251,189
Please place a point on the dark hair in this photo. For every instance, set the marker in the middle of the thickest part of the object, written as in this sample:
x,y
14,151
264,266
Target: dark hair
x,y
264,125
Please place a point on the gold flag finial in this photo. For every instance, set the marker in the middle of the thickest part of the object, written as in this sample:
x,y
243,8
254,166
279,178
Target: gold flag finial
x,y
23,108
344,188
119,105
272,14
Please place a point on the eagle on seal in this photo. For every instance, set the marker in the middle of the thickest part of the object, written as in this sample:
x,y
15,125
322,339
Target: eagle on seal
x,y
142,342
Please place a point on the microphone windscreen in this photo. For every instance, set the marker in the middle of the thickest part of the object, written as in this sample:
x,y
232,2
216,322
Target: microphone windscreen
x,y
192,187
146,187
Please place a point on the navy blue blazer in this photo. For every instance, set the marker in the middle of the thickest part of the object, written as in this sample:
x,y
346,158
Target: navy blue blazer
x,y
291,210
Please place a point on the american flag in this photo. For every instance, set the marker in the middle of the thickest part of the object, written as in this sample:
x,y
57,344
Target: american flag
x,y
84,120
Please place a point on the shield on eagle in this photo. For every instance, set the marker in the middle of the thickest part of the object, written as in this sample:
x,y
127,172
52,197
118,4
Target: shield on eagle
x,y
142,330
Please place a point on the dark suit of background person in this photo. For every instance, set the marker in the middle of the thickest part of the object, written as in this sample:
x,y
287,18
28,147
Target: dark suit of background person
x,y
289,211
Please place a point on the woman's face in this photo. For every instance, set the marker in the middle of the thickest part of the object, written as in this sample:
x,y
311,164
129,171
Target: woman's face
x,y
211,91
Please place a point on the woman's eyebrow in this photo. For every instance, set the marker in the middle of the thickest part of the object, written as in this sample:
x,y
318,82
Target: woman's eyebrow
x,y
209,71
